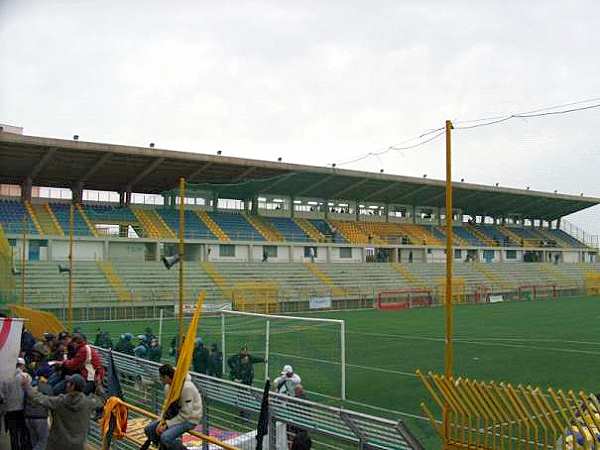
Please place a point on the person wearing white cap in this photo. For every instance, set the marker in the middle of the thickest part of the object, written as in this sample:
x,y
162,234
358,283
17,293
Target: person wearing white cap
x,y
288,380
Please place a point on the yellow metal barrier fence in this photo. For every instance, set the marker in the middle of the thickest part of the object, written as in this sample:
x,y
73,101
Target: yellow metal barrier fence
x,y
490,416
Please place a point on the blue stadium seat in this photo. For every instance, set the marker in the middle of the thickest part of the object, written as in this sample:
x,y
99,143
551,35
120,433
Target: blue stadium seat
x,y
236,226
325,229
194,227
289,229
109,214
11,217
62,213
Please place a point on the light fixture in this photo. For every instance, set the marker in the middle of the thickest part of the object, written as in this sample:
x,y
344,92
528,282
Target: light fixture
x,y
497,184
462,180
151,144
527,187
219,152
170,261
333,165
75,137
279,159
380,170
424,175
555,191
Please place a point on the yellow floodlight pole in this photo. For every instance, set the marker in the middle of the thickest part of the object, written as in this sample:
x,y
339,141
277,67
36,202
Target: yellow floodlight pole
x,y
23,259
70,291
181,253
448,354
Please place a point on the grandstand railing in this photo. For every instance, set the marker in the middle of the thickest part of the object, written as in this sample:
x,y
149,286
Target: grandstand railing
x,y
337,427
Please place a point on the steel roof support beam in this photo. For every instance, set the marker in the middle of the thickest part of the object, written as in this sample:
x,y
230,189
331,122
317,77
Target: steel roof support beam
x,y
244,174
284,178
199,171
144,173
42,163
97,165
383,190
351,187
412,193
321,182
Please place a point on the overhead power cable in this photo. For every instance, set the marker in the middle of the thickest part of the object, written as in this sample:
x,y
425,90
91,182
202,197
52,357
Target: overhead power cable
x,y
487,121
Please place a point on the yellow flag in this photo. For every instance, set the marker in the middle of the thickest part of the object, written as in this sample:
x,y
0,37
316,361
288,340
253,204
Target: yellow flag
x,y
186,354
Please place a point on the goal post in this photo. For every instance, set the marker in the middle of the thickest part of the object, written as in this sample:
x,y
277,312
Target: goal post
x,y
406,298
537,291
315,347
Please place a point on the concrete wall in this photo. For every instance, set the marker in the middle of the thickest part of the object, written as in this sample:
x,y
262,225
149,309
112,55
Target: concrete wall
x,y
283,254
82,250
335,255
570,257
134,251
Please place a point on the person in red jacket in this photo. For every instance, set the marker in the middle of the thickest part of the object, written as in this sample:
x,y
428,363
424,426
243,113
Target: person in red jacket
x,y
85,362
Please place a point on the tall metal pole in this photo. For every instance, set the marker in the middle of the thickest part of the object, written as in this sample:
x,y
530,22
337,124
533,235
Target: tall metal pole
x,y
181,253
24,245
70,291
448,354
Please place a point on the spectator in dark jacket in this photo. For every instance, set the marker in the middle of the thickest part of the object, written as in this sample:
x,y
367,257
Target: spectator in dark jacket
x,y
70,413
201,359
241,366
215,365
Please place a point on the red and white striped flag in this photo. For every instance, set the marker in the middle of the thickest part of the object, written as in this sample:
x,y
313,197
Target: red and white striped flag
x,y
10,345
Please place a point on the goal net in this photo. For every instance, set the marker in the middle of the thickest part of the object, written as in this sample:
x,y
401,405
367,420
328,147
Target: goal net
x,y
537,291
314,347
403,299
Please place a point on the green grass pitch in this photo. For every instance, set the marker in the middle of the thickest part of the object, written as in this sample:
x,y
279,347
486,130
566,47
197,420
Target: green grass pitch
x,y
545,343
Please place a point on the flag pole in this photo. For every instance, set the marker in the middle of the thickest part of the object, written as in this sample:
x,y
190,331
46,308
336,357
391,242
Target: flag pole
x,y
448,354
70,292
181,258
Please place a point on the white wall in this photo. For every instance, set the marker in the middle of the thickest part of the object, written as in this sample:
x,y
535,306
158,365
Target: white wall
x,y
82,250
283,254
298,255
241,254
570,257
127,250
356,255
437,255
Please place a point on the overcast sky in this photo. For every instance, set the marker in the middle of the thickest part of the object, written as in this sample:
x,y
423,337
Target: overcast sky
x,y
316,82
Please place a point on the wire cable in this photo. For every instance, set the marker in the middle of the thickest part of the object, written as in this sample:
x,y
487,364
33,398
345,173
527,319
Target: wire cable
x,y
488,121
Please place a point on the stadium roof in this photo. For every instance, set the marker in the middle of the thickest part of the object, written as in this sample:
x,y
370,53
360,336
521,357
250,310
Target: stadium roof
x,y
65,163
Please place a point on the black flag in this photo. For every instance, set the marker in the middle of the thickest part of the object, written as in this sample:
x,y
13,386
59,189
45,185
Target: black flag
x,y
113,389
113,385
263,419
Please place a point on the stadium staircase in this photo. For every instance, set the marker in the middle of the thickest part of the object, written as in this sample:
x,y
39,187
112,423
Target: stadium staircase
x,y
153,224
219,280
419,235
212,226
264,228
62,213
310,229
457,239
34,218
550,236
480,235
357,233
85,218
494,280
115,281
563,279
325,279
513,237
412,279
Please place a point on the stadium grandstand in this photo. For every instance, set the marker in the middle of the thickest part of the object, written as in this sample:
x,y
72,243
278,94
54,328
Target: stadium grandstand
x,y
250,221
269,238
